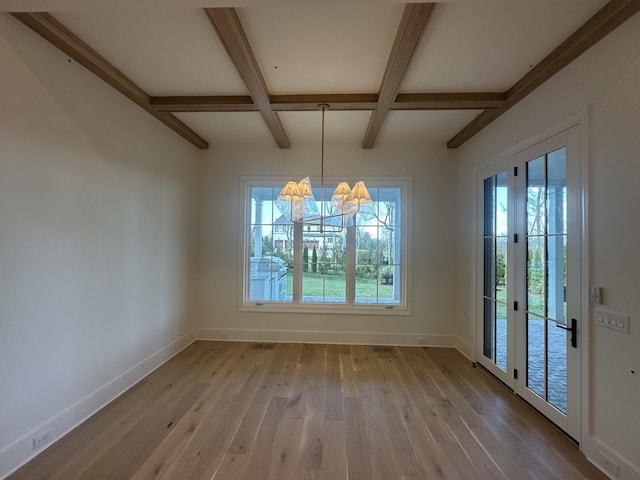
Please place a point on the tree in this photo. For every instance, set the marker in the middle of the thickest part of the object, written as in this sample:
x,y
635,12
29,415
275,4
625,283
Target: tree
x,y
267,245
535,274
314,260
286,255
501,267
386,217
339,255
323,260
364,239
536,210
365,265
305,259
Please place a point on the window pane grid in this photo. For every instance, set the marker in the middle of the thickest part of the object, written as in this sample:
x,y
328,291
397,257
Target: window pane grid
x,y
272,253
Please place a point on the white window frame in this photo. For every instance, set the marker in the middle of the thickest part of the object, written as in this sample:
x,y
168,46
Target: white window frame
x,y
244,234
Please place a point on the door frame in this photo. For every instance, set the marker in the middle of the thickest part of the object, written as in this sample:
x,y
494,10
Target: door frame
x,y
581,121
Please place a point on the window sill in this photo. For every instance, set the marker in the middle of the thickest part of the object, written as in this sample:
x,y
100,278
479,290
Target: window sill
x,y
273,307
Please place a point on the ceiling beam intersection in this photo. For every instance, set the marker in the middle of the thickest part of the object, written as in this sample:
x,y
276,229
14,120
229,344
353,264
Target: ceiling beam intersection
x,y
413,23
45,25
226,22
607,19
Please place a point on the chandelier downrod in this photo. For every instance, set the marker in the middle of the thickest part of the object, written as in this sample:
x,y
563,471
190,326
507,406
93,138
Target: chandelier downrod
x,y
347,201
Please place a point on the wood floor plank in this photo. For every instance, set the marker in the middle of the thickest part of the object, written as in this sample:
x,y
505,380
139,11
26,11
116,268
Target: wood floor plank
x,y
379,440
173,445
460,460
418,356
347,376
201,457
312,443
124,457
260,454
334,457
231,381
313,361
435,408
286,447
459,419
480,404
295,389
357,447
360,357
431,455
457,404
398,433
500,453
333,394
231,466
228,411
250,422
289,373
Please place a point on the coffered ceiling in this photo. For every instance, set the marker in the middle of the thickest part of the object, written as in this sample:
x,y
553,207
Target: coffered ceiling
x,y
254,71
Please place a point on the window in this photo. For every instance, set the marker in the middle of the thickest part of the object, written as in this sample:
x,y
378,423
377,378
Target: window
x,y
289,266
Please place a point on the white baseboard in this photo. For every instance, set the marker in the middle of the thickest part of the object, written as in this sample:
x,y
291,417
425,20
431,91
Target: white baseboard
x,y
346,338
599,454
21,451
464,348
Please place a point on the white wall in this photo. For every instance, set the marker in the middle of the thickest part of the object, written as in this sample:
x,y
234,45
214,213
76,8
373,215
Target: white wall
x,y
605,80
96,241
615,261
433,225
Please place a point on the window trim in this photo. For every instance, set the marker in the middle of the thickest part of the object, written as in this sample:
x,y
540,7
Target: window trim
x,y
404,307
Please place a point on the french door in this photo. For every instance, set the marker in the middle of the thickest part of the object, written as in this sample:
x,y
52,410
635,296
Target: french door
x,y
529,307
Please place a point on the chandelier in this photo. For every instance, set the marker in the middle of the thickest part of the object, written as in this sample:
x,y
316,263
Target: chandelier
x,y
297,199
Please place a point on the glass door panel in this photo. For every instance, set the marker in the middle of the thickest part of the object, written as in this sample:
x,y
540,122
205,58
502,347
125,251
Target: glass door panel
x,y
549,279
546,280
494,276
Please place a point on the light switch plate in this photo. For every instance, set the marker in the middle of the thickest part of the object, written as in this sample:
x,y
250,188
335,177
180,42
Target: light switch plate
x,y
595,295
615,321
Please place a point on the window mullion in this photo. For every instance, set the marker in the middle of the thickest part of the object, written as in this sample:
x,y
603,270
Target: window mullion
x,y
351,265
297,262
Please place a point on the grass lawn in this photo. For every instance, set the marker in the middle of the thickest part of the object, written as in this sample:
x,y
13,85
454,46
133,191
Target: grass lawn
x,y
330,285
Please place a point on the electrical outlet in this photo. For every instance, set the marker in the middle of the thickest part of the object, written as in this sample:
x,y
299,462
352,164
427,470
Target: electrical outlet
x,y
609,465
41,440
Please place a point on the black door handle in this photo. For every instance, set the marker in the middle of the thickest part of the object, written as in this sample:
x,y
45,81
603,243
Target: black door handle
x,y
574,332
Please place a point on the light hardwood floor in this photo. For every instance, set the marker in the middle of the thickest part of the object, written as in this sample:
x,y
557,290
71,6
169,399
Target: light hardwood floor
x,y
223,410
